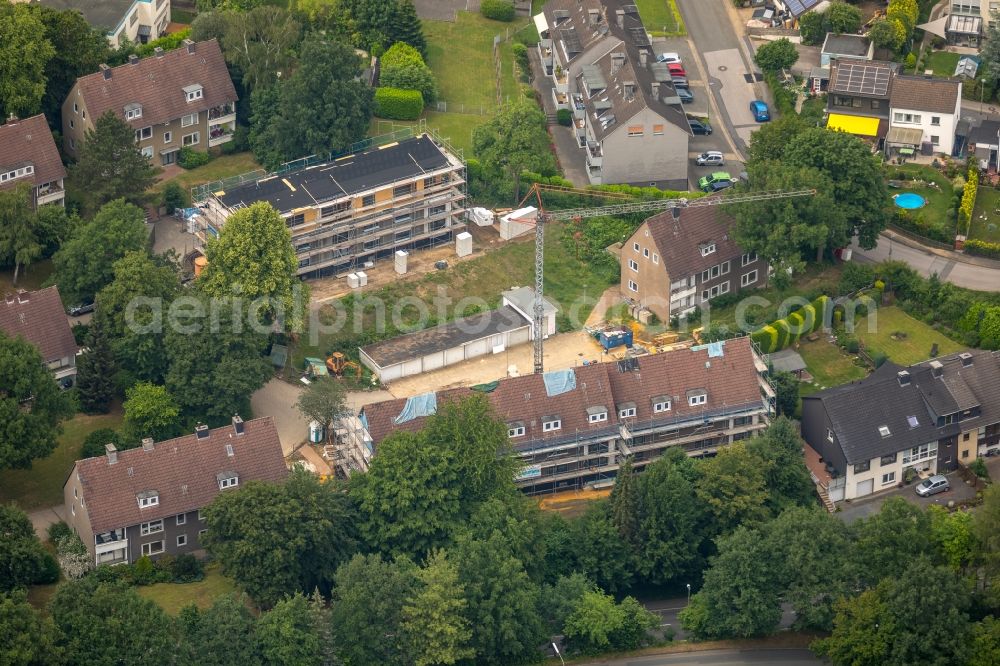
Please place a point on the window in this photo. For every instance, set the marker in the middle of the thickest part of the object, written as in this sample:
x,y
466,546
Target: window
x,y
192,95
515,431
152,548
863,467
704,276
148,500
748,278
189,119
431,182
144,133
632,286
168,137
635,246
907,118
748,258
887,460
368,200
72,144
76,109
912,420
133,18
402,190
698,399
656,258
920,453
714,271
829,435
707,249
936,122
201,516
634,265
724,287
658,130
182,539
17,173
190,139
876,104
661,406
131,113
598,417
965,453
147,151
296,220
627,412
935,139
884,431
75,494
645,252
549,426
182,518
635,130
725,267
71,123
151,527
228,482
888,477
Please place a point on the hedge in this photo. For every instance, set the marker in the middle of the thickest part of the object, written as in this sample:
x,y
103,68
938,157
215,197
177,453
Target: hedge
x,y
785,332
766,338
397,104
564,117
982,248
190,158
819,307
969,197
498,10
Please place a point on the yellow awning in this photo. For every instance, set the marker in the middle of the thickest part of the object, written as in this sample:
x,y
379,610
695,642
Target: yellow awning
x,y
853,124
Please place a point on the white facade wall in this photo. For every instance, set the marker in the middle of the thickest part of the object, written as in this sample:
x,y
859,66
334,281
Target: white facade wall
x,y
944,130
881,477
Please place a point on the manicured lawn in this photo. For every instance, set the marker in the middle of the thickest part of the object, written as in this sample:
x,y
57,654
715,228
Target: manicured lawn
x,y
829,366
172,597
904,339
939,199
456,128
220,167
943,63
41,486
660,17
985,223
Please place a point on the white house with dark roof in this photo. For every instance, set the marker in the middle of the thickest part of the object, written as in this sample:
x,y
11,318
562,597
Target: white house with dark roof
x,y
136,21
929,108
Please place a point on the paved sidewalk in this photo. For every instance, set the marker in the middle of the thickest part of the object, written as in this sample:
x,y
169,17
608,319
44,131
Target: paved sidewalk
x,y
951,255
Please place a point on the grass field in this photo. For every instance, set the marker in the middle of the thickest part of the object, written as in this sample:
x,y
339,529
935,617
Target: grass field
x,y
41,486
829,365
939,199
904,339
660,17
943,63
985,223
30,278
172,597
456,128
220,167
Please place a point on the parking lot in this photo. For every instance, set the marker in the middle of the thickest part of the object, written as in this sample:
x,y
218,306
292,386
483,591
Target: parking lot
x,y
863,508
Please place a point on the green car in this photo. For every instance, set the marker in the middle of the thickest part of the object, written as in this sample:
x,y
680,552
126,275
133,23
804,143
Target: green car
x,y
706,182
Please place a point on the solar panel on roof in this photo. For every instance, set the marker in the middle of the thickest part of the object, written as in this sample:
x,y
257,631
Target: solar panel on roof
x,y
863,79
798,7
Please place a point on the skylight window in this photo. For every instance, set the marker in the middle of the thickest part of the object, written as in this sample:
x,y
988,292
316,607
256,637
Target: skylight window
x,y
884,431
912,420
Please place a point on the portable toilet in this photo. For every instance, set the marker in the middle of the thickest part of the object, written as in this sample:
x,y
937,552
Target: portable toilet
x,y
362,278
315,432
463,244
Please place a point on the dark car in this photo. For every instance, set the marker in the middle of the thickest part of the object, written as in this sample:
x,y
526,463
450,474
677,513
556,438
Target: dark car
x,y
685,95
78,310
719,186
700,126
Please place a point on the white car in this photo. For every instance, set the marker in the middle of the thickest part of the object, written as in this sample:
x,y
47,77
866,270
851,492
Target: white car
x,y
710,158
668,58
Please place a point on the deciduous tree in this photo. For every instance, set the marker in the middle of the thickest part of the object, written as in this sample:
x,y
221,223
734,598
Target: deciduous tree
x,y
513,141
434,617
19,238
323,401
150,411
786,476
78,49
290,633
23,560
886,543
26,636
223,634
259,44
733,487
403,67
777,55
25,53
109,164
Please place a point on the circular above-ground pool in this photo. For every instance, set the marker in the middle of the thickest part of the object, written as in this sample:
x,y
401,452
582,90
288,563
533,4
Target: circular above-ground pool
x,y
909,200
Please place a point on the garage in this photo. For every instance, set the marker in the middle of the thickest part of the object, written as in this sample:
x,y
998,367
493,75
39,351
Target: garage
x,y
864,488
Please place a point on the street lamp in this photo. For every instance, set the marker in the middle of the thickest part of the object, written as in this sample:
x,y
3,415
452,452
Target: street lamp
x,y
689,593
558,653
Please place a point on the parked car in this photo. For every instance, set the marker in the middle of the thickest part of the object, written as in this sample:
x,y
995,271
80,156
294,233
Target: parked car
x,y
710,158
676,69
700,126
82,309
719,186
679,81
706,182
668,57
685,95
933,485
760,111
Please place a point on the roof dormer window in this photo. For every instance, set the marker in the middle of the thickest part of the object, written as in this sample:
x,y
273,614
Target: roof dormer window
x,y
133,111
192,93
515,429
884,431
148,498
551,423
17,173
626,410
696,398
707,249
227,480
597,414
661,404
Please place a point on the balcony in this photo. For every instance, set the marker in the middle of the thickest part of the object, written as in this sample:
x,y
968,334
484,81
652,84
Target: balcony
x,y
50,193
221,133
223,112
595,154
545,54
682,293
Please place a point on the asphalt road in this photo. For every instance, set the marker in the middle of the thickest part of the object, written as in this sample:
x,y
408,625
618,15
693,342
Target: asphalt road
x,y
787,657
668,609
970,276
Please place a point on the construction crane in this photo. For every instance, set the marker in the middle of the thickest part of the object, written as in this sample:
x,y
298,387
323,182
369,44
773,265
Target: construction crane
x,y
624,205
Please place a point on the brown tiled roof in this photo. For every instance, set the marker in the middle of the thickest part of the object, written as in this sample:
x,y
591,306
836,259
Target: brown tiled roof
x,y
183,472
729,381
29,141
39,318
919,93
157,83
680,240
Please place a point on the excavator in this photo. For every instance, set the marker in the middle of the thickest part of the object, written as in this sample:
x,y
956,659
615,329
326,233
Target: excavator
x,y
338,364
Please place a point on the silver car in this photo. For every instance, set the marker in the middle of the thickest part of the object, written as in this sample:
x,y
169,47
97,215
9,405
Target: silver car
x,y
710,158
933,485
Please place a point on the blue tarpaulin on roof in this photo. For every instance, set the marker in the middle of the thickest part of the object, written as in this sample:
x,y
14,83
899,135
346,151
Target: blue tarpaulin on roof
x,y
558,382
417,406
715,349
364,419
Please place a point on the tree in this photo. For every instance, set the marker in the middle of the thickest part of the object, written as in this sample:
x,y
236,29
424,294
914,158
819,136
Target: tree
x,y
78,49
985,649
777,55
323,401
812,27
952,534
216,360
94,443
366,611
786,386
278,538
253,258
31,405
379,23
843,18
990,54
886,543
23,559
883,35
732,485
986,530
322,107
289,633
903,14
624,503
434,618
403,67
562,598
95,372
597,624
19,242
85,263
862,634
513,141
24,55
599,552
223,634
26,637
109,623
259,43
109,164
150,411
786,476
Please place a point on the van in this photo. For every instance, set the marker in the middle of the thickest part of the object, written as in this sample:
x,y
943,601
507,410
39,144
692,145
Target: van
x,y
760,111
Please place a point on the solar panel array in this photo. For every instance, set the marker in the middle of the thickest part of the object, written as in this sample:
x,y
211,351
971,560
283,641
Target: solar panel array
x,y
863,79
799,7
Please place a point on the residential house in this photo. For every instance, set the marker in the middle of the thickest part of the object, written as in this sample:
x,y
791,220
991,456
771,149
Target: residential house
x,y
149,500
356,209
28,154
136,21
678,259
964,25
175,99
573,33
858,97
38,317
930,417
984,143
925,112
789,11
845,47
572,428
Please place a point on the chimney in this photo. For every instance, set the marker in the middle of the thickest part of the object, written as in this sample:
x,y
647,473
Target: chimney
x,y
22,296
106,71
190,45
620,17
966,359
904,377
201,431
133,59
617,62
147,443
629,87
936,369
643,57
238,425
655,89
158,51
112,453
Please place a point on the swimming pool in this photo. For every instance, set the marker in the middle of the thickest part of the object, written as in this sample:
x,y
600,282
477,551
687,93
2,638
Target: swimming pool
x,y
909,200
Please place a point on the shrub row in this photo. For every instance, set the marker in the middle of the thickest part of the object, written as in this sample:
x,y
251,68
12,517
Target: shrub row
x,y
784,101
498,10
397,104
189,158
982,248
786,332
969,197
183,568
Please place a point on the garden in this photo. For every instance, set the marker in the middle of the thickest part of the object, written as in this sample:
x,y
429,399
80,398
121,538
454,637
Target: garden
x,y
661,17
985,223
941,188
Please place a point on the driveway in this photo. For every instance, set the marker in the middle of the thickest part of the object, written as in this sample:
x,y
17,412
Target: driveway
x,y
42,518
863,508
572,159
955,268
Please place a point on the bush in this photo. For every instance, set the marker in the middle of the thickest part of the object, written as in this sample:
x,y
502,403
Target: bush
x,y
968,198
978,467
48,570
174,197
797,326
766,338
498,10
142,571
784,334
397,104
93,444
57,531
820,306
564,117
74,560
189,158
187,568
855,276
878,357
784,100
80,332
520,52
982,248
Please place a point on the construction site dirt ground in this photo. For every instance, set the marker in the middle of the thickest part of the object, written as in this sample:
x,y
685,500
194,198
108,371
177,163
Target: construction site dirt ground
x,y
572,502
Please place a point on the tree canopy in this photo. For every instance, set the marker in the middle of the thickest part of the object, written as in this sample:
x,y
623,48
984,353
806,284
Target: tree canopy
x,y
513,141
24,57
109,164
777,55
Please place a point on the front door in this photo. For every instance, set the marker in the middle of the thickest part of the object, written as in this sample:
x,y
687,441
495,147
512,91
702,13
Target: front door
x,y
865,488
169,158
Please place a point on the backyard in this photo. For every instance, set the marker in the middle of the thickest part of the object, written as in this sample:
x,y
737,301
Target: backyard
x,y
660,17
172,597
829,366
933,220
220,167
985,223
943,63
902,338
